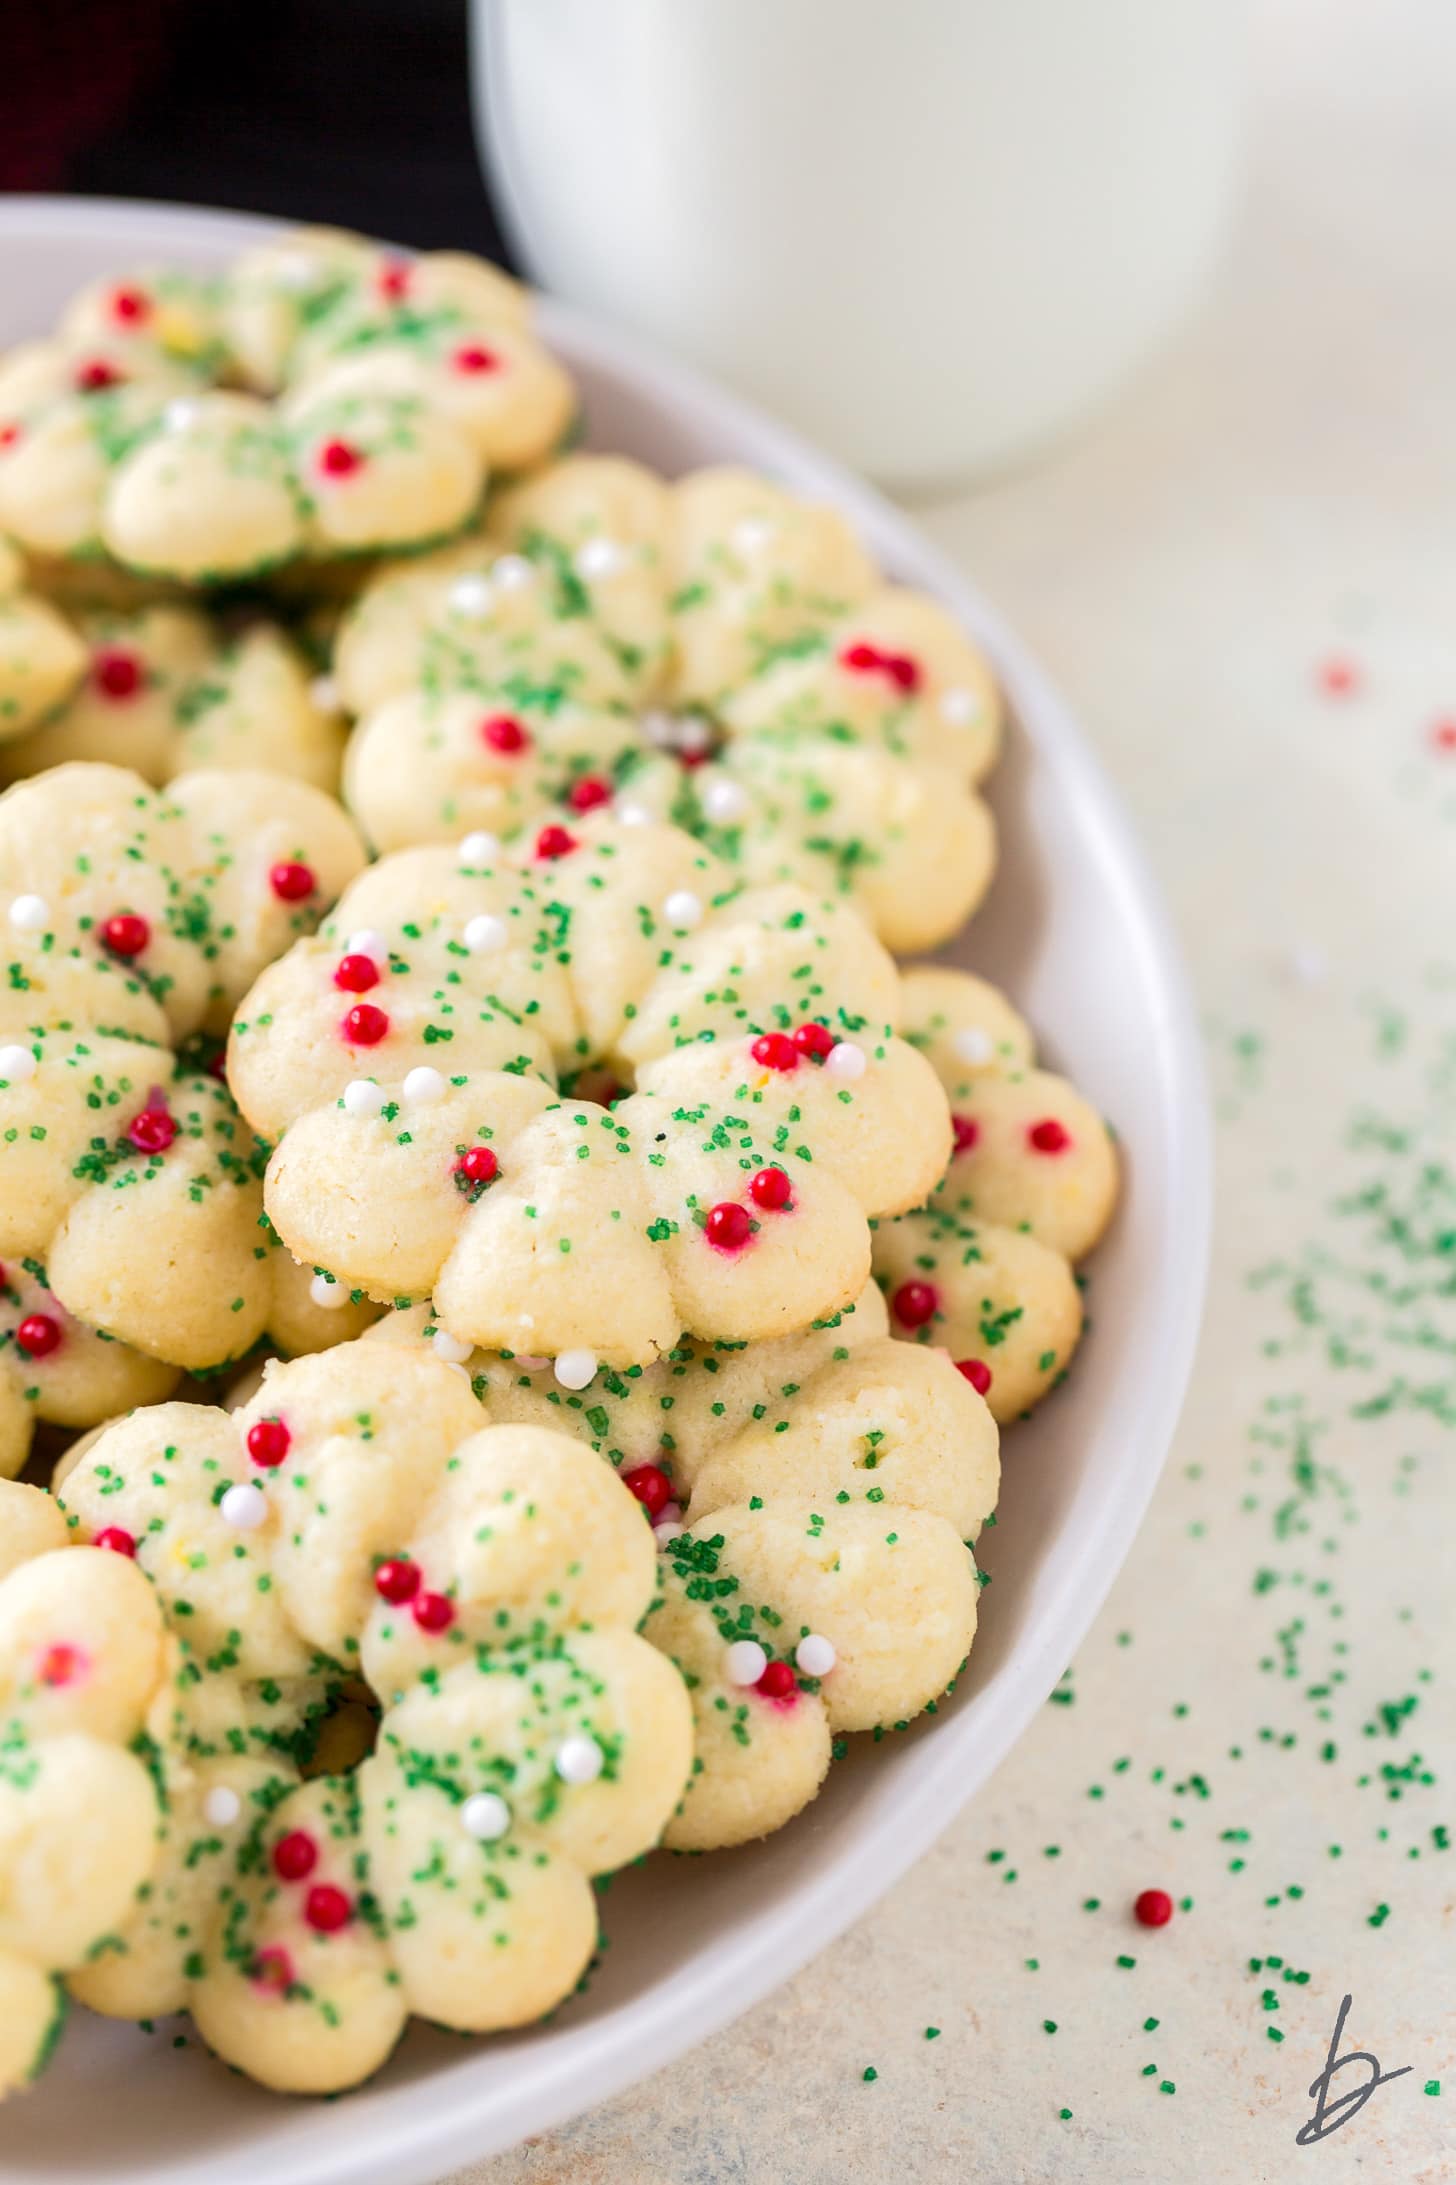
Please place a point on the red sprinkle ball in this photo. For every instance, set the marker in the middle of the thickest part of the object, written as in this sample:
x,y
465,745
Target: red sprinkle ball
x,y
336,459
502,732
777,1682
1443,733
478,1165
152,1131
728,1225
914,1303
117,1539
9,434
651,1485
776,1051
268,1442
433,1611
554,841
1338,677
365,1026
977,1372
1049,1136
471,357
770,1189
815,1040
294,1855
394,280
92,378
1154,1908
60,1665
356,974
125,934
292,882
397,1581
587,792
965,1130
130,306
865,659
38,1335
327,1909
117,674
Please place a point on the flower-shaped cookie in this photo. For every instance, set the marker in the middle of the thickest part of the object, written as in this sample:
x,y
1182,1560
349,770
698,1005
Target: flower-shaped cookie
x,y
320,398
165,690
485,1584
42,659
129,1185
404,1062
985,1269
814,1499
714,651
83,1660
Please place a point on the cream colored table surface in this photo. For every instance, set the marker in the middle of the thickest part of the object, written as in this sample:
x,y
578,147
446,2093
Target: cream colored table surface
x,y
1262,1722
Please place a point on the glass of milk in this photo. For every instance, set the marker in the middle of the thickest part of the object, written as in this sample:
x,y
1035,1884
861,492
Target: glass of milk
x,y
931,233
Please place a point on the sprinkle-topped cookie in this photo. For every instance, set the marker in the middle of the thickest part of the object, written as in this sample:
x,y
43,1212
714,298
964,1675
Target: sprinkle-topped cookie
x,y
713,652
985,1268
813,1500
321,398
354,1530
427,1067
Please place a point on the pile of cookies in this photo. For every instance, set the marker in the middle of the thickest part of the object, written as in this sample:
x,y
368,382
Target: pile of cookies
x,y
509,1290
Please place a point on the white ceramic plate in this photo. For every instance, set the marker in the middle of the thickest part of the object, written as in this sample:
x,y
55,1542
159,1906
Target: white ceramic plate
x,y
1075,929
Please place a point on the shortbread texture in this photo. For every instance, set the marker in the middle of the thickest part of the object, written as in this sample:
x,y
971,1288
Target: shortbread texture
x,y
83,1664
131,1207
355,1530
715,651
319,399
987,1268
424,1069
815,1500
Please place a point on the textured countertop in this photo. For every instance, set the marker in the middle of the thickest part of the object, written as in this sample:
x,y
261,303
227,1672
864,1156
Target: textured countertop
x,y
1245,577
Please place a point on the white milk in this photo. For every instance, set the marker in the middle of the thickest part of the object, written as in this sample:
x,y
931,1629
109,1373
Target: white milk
x,y
929,232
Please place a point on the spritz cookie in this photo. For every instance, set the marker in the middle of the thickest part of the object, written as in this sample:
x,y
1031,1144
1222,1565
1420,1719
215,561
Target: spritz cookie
x,y
985,1269
361,1577
738,1101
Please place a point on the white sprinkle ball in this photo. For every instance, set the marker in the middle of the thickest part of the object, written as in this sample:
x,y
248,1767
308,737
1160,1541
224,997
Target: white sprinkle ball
x,y
297,272
478,849
667,1528
244,1506
959,706
512,573
366,942
744,1662
28,913
449,1347
485,933
576,1368
815,1655
221,1806
723,802
846,1060
485,1816
683,910
659,728
323,692
973,1045
16,1065
752,533
179,415
694,734
579,1760
471,596
423,1087
362,1097
1307,964
331,1295
600,558
632,815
